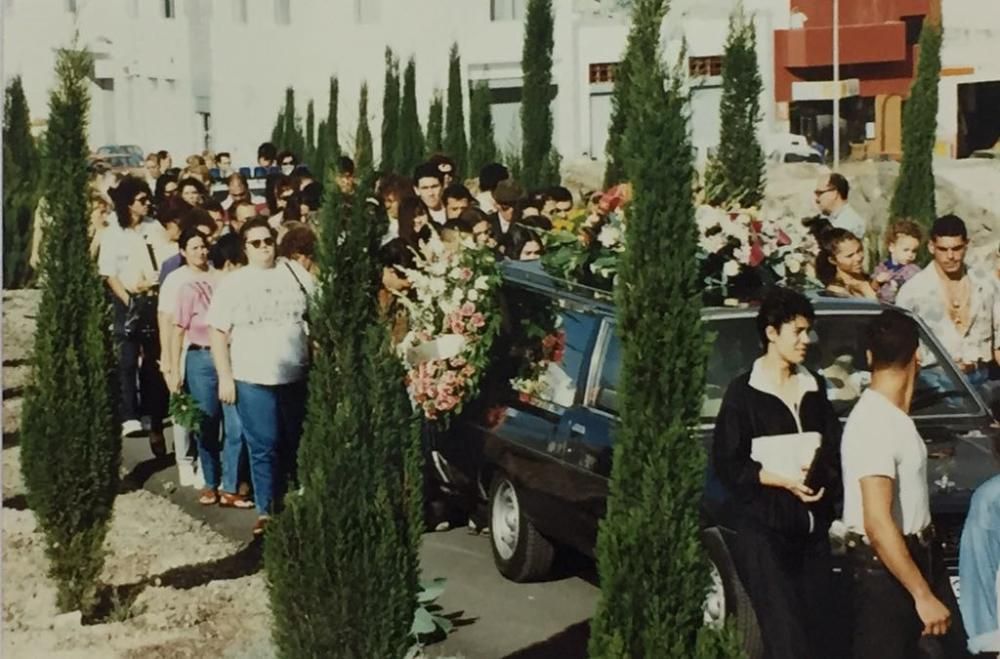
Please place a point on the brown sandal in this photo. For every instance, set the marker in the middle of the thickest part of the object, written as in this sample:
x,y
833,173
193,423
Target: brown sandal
x,y
230,500
208,497
261,525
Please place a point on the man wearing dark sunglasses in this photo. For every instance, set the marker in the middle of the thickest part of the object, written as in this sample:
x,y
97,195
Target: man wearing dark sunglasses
x,y
260,347
831,197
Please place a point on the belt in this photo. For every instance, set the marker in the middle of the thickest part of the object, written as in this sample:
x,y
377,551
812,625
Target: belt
x,y
923,537
195,346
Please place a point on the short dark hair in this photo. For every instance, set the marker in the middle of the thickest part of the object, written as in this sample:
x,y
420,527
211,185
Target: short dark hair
x,y
442,159
197,217
256,223
892,337
840,184
299,239
190,180
491,174
950,226
456,191
267,150
187,235
312,195
781,305
345,165
227,249
427,170
288,154
559,193
223,154
162,154
394,185
212,204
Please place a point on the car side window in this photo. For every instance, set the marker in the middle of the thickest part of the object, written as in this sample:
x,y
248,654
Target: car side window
x,y
562,374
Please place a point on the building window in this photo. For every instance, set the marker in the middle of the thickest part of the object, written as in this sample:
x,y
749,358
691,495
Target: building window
x,y
241,12
603,72
705,67
282,12
169,9
367,11
506,10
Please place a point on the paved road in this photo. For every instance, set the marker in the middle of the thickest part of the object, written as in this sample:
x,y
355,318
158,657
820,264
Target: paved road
x,y
495,617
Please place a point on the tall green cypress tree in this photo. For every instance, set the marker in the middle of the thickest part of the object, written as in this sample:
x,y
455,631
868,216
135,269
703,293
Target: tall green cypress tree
x,y
735,175
342,558
327,135
614,167
71,440
536,95
278,132
290,129
320,157
652,571
21,173
363,156
410,147
309,152
390,113
914,194
455,144
482,143
435,124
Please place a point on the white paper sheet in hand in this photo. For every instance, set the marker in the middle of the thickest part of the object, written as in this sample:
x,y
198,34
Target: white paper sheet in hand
x,y
786,455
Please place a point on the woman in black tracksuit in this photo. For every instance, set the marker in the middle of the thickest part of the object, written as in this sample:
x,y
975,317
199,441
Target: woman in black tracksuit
x,y
782,550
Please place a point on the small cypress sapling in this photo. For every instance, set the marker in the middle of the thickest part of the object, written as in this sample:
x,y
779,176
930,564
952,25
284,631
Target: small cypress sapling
x,y
455,144
482,143
363,156
410,148
536,95
390,113
71,440
435,125
21,173
914,193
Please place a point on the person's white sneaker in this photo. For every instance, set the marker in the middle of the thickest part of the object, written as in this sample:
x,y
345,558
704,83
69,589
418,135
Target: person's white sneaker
x,y
131,428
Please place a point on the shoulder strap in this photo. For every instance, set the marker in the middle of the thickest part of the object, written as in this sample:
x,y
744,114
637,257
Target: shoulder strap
x,y
152,257
297,280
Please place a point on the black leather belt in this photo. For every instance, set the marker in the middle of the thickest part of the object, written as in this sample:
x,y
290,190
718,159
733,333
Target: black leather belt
x,y
194,346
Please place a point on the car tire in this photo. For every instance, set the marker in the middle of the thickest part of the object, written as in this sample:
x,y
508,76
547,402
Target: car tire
x,y
739,612
520,552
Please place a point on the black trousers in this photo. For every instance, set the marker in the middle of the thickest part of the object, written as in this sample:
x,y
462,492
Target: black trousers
x,y
141,383
789,581
885,620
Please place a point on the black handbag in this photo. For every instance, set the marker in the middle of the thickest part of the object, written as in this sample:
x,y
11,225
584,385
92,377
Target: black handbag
x,y
140,317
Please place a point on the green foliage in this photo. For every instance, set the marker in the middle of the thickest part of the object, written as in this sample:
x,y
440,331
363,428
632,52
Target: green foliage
x,y
309,154
652,568
390,113
435,124
328,142
288,133
482,143
342,558
363,155
428,624
71,441
735,175
511,157
536,96
914,194
410,148
455,144
21,178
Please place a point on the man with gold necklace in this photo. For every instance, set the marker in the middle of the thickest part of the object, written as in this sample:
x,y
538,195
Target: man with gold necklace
x,y
955,302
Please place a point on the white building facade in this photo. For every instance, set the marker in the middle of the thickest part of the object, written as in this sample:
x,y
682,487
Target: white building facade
x,y
185,74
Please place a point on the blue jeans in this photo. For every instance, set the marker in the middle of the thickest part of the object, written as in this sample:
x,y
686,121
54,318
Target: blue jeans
x,y
978,562
203,383
272,418
233,444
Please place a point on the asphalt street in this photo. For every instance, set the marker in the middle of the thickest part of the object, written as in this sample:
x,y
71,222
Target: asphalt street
x,y
494,617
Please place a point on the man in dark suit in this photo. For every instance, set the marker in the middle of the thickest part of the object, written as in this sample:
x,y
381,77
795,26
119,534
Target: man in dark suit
x,y
506,194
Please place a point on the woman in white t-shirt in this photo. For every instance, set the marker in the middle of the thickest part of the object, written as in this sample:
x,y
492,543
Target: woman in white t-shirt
x,y
260,346
128,263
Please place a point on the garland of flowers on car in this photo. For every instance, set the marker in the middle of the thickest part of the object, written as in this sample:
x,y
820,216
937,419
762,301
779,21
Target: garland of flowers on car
x,y
454,317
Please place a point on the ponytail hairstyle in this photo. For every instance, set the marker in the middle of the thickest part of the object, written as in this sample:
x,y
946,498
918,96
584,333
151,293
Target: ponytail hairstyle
x,y
829,241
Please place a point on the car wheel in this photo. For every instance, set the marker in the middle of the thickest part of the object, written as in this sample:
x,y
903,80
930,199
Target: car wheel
x,y
520,552
726,601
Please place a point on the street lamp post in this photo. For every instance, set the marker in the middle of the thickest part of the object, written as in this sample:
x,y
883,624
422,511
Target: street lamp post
x,y
836,84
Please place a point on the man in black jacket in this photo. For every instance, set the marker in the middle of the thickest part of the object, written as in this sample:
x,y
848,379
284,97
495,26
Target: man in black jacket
x,y
777,452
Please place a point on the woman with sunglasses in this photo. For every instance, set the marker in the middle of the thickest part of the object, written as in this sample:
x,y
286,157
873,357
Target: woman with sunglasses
x,y
260,346
129,265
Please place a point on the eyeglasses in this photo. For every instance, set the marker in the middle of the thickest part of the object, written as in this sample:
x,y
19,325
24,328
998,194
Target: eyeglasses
x,y
142,200
261,242
820,193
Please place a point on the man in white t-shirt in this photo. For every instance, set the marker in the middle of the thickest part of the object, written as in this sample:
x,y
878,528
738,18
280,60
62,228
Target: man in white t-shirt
x,y
260,346
901,588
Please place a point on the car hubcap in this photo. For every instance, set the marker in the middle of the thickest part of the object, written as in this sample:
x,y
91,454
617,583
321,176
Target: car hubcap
x,y
505,516
715,602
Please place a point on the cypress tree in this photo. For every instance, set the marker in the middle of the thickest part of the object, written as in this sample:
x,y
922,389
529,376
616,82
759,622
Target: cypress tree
x,y
71,441
735,175
320,157
614,167
435,124
652,571
536,95
363,156
482,143
290,126
914,194
410,147
390,113
21,172
455,144
278,132
327,134
342,558
309,155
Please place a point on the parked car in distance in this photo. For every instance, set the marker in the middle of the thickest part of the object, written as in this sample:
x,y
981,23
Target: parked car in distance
x,y
109,149
540,463
786,147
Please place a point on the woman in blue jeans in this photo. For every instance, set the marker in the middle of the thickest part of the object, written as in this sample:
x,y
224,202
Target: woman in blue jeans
x,y
260,346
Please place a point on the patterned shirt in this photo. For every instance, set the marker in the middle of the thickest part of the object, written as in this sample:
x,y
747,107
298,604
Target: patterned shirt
x,y
925,296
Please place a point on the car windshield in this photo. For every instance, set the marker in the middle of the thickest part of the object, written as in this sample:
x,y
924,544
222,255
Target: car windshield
x,y
836,353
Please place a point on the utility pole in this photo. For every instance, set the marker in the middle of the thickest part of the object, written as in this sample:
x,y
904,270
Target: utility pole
x,y
836,84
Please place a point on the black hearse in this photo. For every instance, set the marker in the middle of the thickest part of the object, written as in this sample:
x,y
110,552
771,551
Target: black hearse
x,y
540,462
